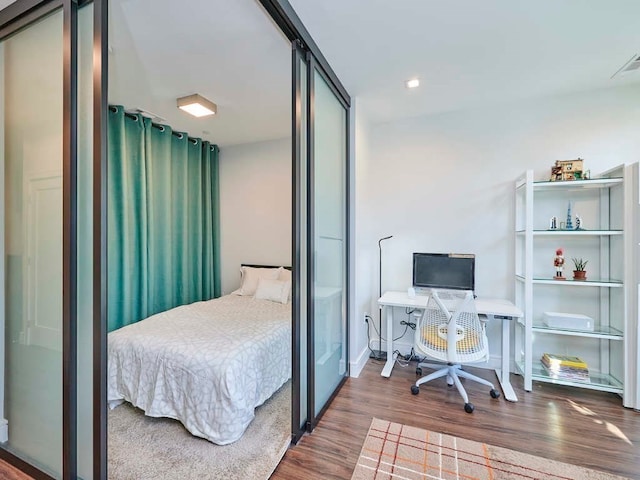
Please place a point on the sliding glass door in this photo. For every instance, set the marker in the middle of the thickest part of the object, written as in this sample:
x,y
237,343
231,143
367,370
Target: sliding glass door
x,y
33,249
321,239
328,238
46,153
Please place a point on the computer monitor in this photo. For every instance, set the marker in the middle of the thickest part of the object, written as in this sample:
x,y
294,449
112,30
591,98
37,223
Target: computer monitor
x,y
452,271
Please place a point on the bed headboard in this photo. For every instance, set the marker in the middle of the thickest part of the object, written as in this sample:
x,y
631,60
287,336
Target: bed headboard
x,y
264,266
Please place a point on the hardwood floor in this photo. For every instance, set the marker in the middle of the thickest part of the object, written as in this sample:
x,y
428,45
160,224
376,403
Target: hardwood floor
x,y
570,425
8,472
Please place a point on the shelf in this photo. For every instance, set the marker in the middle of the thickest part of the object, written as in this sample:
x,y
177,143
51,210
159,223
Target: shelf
x,y
577,233
578,184
603,332
598,381
589,282
602,201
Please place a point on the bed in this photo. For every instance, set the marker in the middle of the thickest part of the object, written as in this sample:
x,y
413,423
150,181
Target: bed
x,y
208,364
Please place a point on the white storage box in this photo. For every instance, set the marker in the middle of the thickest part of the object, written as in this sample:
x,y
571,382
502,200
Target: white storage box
x,y
570,321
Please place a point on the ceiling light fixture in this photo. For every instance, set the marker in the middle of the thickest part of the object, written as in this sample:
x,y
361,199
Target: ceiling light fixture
x,y
413,83
197,105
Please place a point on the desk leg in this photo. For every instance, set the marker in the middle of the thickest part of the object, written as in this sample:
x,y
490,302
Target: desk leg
x,y
503,373
388,366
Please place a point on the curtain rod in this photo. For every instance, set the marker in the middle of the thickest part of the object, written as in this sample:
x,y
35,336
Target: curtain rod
x,y
159,126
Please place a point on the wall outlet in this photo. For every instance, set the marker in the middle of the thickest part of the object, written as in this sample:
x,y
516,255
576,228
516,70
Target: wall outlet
x,y
365,317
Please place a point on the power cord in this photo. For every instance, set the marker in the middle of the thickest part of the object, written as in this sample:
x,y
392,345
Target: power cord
x,y
410,325
405,360
368,317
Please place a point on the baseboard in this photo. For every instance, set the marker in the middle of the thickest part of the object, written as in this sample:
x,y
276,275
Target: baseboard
x,y
4,430
356,367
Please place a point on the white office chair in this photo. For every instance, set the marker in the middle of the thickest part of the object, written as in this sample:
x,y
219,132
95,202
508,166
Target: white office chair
x,y
466,343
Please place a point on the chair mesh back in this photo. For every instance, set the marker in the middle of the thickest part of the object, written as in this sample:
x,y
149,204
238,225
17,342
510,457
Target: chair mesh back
x,y
450,330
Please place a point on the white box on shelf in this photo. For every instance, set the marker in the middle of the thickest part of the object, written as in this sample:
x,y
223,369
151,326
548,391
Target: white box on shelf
x,y
570,321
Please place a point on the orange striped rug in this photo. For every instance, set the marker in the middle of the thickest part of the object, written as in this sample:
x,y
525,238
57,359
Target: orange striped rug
x,y
393,451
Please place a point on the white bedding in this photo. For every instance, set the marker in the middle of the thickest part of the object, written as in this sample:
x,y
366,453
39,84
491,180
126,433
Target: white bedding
x,y
208,364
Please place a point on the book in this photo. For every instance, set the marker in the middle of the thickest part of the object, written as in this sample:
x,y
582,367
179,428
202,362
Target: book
x,y
563,360
581,375
565,367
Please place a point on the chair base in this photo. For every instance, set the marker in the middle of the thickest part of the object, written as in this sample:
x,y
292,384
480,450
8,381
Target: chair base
x,y
453,372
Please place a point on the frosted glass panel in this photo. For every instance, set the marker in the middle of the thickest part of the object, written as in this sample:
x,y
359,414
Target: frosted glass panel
x,y
32,167
329,196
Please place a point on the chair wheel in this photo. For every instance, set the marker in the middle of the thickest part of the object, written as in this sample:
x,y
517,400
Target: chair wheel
x,y
468,407
450,381
418,371
415,389
494,393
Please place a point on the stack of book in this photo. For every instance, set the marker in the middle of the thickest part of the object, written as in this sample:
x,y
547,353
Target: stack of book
x,y
564,367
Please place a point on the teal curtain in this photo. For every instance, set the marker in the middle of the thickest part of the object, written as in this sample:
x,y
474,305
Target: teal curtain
x,y
163,219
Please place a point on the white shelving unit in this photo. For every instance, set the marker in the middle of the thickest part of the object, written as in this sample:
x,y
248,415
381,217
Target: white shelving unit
x,y
602,205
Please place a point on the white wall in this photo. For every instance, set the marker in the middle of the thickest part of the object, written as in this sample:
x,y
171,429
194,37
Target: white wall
x,y
363,252
445,183
255,207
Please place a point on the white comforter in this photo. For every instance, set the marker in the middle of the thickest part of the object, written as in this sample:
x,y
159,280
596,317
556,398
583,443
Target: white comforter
x,y
208,364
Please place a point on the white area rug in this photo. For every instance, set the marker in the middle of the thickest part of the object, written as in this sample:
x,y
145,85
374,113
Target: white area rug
x,y
142,448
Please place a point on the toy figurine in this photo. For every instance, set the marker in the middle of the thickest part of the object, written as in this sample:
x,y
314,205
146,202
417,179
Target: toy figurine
x,y
579,225
558,262
553,223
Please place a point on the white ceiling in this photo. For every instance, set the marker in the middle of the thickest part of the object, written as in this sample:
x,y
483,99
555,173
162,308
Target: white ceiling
x,y
227,51
471,53
467,54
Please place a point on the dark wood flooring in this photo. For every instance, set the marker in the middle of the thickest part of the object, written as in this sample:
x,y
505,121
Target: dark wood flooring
x,y
566,424
570,425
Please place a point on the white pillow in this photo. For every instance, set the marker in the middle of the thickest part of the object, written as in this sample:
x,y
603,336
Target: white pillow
x,y
251,275
285,276
274,290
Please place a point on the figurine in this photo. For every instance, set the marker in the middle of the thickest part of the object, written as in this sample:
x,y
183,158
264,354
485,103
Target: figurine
x,y
553,223
558,262
579,225
569,224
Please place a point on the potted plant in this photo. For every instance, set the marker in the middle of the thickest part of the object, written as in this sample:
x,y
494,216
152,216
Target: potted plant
x,y
579,273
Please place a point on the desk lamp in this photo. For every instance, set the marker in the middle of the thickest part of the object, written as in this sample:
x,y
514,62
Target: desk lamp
x,y
379,354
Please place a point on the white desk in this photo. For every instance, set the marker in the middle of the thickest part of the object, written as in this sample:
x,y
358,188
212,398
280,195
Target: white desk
x,y
490,307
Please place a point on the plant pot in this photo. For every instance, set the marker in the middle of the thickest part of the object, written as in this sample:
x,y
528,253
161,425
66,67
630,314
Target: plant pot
x,y
579,275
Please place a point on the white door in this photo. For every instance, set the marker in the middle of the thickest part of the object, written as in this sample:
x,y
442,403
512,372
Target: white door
x,y
43,261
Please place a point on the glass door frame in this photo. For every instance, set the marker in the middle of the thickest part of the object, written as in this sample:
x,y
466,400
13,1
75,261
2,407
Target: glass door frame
x,y
305,49
15,17
21,14
298,130
313,66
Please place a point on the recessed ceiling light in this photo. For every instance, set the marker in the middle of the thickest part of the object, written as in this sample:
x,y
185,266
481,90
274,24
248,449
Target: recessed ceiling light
x,y
197,105
413,83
